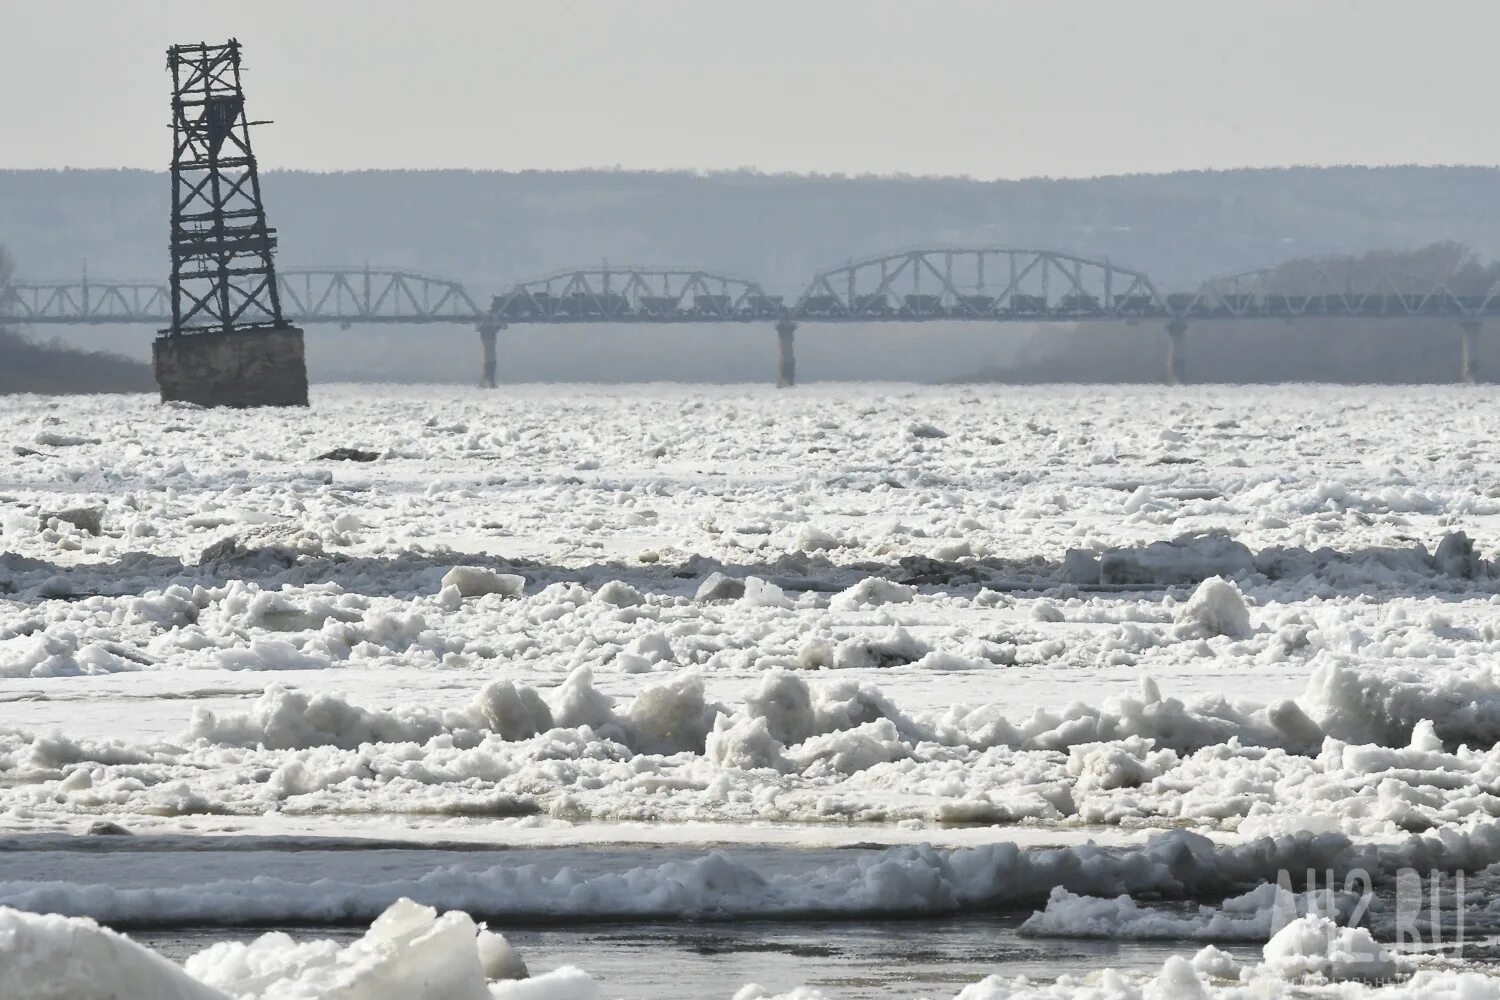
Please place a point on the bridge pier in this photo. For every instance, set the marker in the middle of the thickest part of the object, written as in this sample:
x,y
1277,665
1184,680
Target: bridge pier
x,y
488,333
240,368
1176,355
1468,372
786,354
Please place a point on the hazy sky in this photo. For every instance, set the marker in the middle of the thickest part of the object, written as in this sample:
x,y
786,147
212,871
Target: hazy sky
x,y
990,89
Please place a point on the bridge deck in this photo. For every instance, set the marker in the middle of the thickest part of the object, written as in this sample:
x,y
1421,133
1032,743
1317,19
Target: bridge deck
x,y
993,285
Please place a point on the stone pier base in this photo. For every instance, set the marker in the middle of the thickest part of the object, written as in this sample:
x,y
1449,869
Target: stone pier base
x,y
243,368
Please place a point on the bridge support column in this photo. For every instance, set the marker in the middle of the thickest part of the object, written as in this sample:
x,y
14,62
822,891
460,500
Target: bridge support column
x,y
786,354
1176,356
488,333
1468,372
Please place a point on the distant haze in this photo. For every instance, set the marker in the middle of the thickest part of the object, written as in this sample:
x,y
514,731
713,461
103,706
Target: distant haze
x,y
990,90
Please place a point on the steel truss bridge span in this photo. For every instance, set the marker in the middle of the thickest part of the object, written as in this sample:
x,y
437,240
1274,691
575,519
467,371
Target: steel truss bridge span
x,y
1270,293
989,283
998,284
636,295
979,284
308,295
993,284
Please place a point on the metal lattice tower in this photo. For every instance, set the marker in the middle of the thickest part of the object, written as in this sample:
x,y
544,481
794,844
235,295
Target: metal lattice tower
x,y
223,277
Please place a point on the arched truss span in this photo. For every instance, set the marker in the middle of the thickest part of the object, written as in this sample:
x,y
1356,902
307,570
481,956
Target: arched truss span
x,y
635,294
977,284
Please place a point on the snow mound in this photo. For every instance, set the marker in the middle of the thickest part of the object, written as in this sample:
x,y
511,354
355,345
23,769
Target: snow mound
x,y
871,591
60,653
619,594
409,952
476,581
758,593
718,587
1257,915
1385,704
892,648
282,718
46,957
1216,608
1188,559
811,538
1316,946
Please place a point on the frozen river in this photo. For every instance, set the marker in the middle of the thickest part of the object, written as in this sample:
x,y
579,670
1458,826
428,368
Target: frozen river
x,y
693,687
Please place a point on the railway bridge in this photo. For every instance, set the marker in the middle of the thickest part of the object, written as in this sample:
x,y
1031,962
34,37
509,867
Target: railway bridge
x,y
923,285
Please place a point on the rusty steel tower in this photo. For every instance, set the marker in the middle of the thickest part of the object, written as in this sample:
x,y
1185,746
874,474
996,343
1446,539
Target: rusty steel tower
x,y
228,343
223,276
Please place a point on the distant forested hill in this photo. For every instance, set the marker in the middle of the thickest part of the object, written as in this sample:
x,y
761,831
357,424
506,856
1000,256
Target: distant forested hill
x,y
490,229
53,369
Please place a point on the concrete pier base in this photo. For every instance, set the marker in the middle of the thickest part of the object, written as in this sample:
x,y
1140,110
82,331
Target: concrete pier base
x,y
1468,372
1176,356
242,368
487,336
786,354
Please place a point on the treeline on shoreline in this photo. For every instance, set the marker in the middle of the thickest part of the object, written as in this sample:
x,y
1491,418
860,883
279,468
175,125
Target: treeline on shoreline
x,y
27,365
52,368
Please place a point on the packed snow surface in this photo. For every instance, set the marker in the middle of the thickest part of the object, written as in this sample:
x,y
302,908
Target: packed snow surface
x,y
959,632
